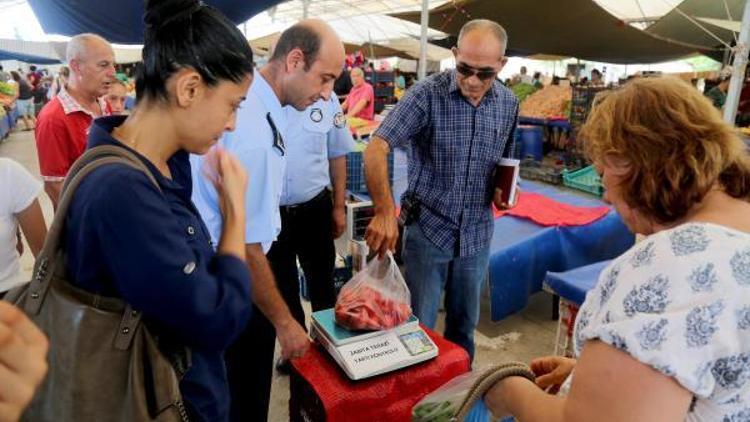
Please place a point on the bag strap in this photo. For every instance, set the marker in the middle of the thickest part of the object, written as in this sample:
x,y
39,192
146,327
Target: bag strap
x,y
487,380
51,259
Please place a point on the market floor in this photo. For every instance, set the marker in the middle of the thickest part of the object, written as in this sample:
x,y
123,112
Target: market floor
x,y
520,337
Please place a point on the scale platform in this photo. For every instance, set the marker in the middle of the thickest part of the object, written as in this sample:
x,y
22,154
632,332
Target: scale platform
x,y
369,353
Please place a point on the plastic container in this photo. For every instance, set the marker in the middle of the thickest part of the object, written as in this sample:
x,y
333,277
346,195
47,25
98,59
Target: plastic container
x,y
532,142
355,172
585,179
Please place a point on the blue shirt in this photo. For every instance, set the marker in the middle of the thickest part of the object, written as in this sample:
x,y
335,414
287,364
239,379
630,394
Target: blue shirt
x,y
124,238
454,150
315,135
264,158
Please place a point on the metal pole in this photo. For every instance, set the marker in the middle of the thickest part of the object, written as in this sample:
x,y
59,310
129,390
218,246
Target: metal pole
x,y
423,40
738,68
305,8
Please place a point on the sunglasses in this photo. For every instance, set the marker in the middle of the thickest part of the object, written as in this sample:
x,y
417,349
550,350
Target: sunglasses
x,y
278,141
469,71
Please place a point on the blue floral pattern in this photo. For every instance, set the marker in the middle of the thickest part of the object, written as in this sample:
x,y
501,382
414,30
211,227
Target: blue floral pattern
x,y
701,324
741,416
741,267
733,372
680,303
653,334
743,318
610,281
688,240
703,278
651,298
643,256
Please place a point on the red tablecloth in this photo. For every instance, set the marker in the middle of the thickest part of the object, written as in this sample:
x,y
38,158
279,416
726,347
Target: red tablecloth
x,y
548,212
389,397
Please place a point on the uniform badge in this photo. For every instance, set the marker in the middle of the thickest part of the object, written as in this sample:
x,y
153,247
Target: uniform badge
x,y
316,115
339,120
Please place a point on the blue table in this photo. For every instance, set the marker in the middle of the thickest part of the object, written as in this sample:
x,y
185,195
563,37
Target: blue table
x,y
573,285
522,252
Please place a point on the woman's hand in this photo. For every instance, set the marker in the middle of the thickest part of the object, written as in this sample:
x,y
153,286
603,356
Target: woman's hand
x,y
552,371
229,178
23,361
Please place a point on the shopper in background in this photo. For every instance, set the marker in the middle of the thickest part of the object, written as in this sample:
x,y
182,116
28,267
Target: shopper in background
x,y
24,100
665,334
59,82
718,94
361,99
116,97
458,125
64,121
19,208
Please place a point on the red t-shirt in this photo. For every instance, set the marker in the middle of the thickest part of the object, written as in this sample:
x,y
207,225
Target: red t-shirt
x,y
362,92
60,139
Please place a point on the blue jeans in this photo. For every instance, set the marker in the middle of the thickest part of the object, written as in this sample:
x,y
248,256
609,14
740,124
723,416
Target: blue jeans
x,y
429,270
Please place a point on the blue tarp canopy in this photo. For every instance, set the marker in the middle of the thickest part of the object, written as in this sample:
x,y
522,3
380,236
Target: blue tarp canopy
x,y
9,55
121,21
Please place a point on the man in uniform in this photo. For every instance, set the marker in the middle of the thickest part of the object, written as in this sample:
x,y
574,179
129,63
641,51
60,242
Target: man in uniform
x,y
311,217
306,62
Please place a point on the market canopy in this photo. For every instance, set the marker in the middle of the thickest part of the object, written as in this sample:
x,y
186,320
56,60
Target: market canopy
x,y
577,28
121,21
687,22
28,51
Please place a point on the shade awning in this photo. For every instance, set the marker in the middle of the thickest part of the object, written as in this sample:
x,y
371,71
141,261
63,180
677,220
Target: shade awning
x,y
121,21
575,28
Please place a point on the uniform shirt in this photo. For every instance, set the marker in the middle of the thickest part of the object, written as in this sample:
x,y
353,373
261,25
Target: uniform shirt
x,y
454,150
679,302
18,190
315,135
263,155
124,238
61,131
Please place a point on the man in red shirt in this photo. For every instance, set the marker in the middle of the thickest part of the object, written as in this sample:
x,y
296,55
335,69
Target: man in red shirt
x,y
361,99
63,123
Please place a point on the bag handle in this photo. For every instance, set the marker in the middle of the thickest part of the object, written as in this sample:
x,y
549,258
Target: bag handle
x,y
51,258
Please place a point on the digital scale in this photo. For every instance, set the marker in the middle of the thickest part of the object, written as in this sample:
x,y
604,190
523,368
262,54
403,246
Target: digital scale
x,y
364,354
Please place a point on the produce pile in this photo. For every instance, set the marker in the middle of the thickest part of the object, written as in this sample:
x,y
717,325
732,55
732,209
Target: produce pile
x,y
549,102
7,94
522,91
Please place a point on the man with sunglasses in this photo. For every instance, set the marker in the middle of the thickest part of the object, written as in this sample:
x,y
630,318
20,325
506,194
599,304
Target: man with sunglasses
x,y
304,65
458,124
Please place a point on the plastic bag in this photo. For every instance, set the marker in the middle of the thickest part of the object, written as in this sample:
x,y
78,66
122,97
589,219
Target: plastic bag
x,y
376,298
461,397
444,403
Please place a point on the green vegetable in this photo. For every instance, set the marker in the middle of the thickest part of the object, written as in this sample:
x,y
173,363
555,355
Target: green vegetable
x,y
523,90
6,89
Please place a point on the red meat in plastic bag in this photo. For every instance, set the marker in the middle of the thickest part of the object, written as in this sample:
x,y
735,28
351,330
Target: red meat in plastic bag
x,y
376,298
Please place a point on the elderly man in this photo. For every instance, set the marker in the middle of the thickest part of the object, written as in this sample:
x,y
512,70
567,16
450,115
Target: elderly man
x,y
63,123
304,65
459,124
361,99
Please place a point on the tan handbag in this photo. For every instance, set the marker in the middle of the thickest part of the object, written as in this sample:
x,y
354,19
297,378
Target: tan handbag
x,y
104,364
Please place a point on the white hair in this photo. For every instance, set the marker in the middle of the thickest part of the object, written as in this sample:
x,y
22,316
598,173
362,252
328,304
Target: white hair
x,y
78,45
492,27
358,71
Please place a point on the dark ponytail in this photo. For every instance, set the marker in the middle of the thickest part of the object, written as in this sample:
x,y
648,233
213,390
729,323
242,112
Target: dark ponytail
x,y
189,34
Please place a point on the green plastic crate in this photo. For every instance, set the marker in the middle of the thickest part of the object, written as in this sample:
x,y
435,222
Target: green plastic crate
x,y
585,179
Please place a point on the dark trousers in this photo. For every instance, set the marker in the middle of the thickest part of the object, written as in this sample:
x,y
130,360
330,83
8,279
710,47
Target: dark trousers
x,y
306,234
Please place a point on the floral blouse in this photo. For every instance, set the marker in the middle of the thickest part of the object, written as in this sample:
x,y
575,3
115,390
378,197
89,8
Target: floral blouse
x,y
679,301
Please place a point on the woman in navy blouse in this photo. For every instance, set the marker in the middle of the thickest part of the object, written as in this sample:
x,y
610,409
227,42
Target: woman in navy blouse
x,y
127,238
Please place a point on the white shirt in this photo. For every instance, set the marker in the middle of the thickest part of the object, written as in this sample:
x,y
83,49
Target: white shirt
x,y
18,189
679,301
254,145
